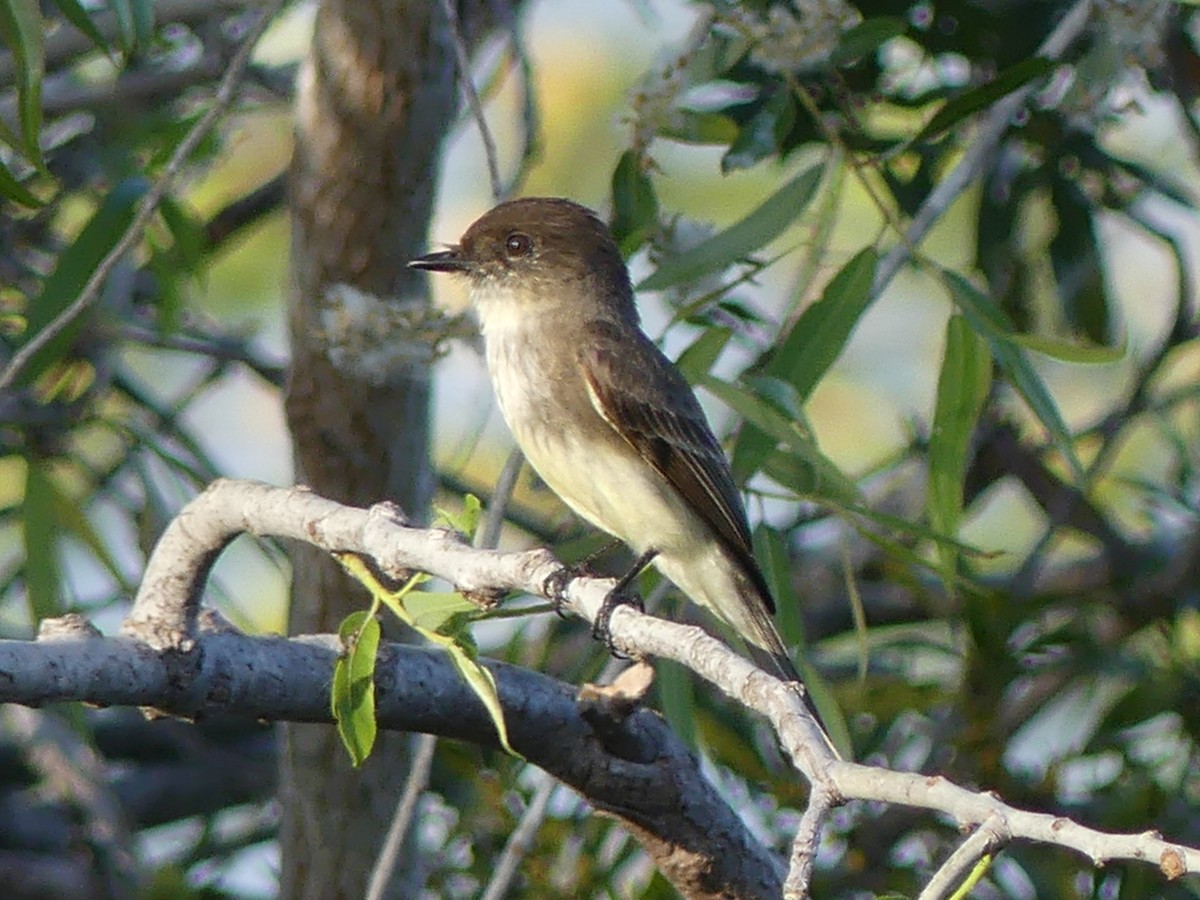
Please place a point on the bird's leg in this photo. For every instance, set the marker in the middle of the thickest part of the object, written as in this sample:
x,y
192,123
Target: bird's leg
x,y
618,596
556,582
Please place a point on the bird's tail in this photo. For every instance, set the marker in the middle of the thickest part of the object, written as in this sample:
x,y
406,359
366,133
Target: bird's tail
x,y
753,622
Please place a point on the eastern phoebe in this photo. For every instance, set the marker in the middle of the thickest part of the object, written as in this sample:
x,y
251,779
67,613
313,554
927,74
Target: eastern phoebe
x,y
603,416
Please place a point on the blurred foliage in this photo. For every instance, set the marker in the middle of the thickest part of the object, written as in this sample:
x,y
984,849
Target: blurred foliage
x,y
1066,678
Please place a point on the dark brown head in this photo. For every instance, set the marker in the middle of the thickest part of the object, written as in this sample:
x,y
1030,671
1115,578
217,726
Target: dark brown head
x,y
539,249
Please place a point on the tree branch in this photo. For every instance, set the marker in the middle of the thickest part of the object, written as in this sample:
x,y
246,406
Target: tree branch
x,y
643,775
165,661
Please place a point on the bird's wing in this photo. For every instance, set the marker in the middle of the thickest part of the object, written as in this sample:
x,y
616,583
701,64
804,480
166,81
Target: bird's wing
x,y
658,415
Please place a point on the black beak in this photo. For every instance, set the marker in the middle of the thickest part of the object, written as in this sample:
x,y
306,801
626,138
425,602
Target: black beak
x,y
443,261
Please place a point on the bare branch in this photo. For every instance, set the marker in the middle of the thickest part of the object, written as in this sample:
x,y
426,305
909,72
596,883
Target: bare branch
x,y
949,878
164,614
414,787
804,845
519,841
463,57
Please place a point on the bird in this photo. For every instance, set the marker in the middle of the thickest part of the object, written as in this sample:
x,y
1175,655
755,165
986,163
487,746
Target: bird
x,y
603,416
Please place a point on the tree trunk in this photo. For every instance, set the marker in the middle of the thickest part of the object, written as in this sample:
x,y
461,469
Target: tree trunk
x,y
375,99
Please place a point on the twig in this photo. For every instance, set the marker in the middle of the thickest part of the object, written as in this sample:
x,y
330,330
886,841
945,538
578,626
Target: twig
x,y
531,129
521,839
222,347
804,844
489,534
463,57
221,101
989,836
393,843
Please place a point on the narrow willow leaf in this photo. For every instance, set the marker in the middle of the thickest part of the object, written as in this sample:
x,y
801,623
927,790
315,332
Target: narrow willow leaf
x,y
71,517
480,679
75,266
982,97
143,21
74,13
12,189
21,29
353,694
698,359
820,476
741,239
963,384
761,136
820,334
690,127
985,319
1071,352
635,205
123,12
677,700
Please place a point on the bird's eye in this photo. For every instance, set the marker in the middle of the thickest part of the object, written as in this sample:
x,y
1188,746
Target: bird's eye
x,y
518,244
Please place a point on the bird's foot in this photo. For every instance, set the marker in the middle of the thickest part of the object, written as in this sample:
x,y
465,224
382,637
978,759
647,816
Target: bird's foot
x,y
555,585
601,630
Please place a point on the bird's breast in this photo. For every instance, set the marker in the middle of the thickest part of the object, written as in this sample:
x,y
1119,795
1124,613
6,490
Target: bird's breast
x,y
543,396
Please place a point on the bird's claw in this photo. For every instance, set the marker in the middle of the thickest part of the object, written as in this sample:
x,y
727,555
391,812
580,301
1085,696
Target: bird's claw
x,y
601,628
555,585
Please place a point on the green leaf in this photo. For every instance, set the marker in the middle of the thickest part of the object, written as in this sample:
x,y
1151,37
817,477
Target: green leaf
x,y
12,189
143,21
741,239
816,475
123,12
462,652
761,136
865,38
186,232
635,205
988,321
962,389
70,516
353,695
77,16
912,528
957,109
677,700
698,359
1071,352
817,338
770,548
432,610
689,127
464,522
480,679
42,574
21,29
75,266
1079,262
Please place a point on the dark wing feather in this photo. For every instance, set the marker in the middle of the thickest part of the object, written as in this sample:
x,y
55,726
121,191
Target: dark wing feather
x,y
660,418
